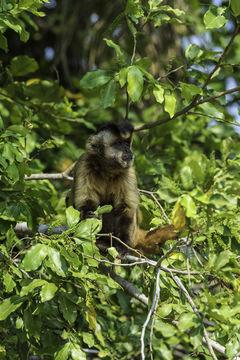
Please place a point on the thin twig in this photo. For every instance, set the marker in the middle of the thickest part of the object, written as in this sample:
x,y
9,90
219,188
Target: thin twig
x,y
158,264
214,118
235,33
155,297
195,309
157,202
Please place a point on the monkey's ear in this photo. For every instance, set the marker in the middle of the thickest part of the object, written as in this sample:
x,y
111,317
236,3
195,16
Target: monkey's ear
x,y
126,130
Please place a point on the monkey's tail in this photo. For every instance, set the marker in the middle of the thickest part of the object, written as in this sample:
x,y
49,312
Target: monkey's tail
x,y
150,242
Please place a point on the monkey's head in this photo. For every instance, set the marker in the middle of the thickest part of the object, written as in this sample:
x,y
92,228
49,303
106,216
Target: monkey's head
x,y
112,145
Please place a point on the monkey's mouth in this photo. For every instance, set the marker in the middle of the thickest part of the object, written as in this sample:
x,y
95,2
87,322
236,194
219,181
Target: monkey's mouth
x,y
126,161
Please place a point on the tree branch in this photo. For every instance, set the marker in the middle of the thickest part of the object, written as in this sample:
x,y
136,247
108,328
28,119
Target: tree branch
x,y
185,110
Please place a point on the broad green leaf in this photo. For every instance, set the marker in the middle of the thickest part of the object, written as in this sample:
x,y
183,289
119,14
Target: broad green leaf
x,y
103,209
8,282
9,305
72,215
63,353
199,195
23,65
57,262
216,17
186,177
87,228
222,259
3,42
188,203
158,92
187,321
154,4
135,83
48,291
116,47
31,286
68,309
144,63
94,79
113,252
123,76
88,338
167,330
170,103
34,257
189,91
235,5
193,52
108,94
77,353
164,310
233,347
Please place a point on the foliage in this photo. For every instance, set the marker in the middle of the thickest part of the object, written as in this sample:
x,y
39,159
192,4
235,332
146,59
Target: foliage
x,y
55,299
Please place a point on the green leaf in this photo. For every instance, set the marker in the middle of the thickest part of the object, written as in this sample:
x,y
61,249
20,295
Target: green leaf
x,y
68,309
158,92
116,47
63,353
3,42
144,63
77,353
113,252
108,94
186,177
31,286
170,103
94,79
34,257
189,91
72,215
103,209
57,262
232,347
193,52
23,65
9,305
188,203
123,76
87,228
222,259
216,17
8,282
164,310
135,83
235,5
48,291
167,330
187,321
154,4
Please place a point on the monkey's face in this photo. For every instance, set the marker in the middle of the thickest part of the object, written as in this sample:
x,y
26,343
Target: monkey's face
x,y
112,147
119,153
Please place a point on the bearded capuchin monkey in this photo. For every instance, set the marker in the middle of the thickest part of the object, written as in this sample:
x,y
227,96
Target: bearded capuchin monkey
x,y
104,176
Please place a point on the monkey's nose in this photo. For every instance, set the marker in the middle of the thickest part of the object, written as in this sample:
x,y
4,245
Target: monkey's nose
x,y
127,157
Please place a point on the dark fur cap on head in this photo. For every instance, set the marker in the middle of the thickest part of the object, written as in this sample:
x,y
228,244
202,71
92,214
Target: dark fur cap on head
x,y
124,129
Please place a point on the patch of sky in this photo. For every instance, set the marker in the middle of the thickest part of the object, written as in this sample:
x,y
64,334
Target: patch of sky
x,y
49,53
51,4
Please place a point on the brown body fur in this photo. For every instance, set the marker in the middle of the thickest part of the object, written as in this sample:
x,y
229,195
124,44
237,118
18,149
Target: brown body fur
x,y
101,177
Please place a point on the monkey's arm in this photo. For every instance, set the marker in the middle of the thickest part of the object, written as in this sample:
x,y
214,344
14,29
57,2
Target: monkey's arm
x,y
84,195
